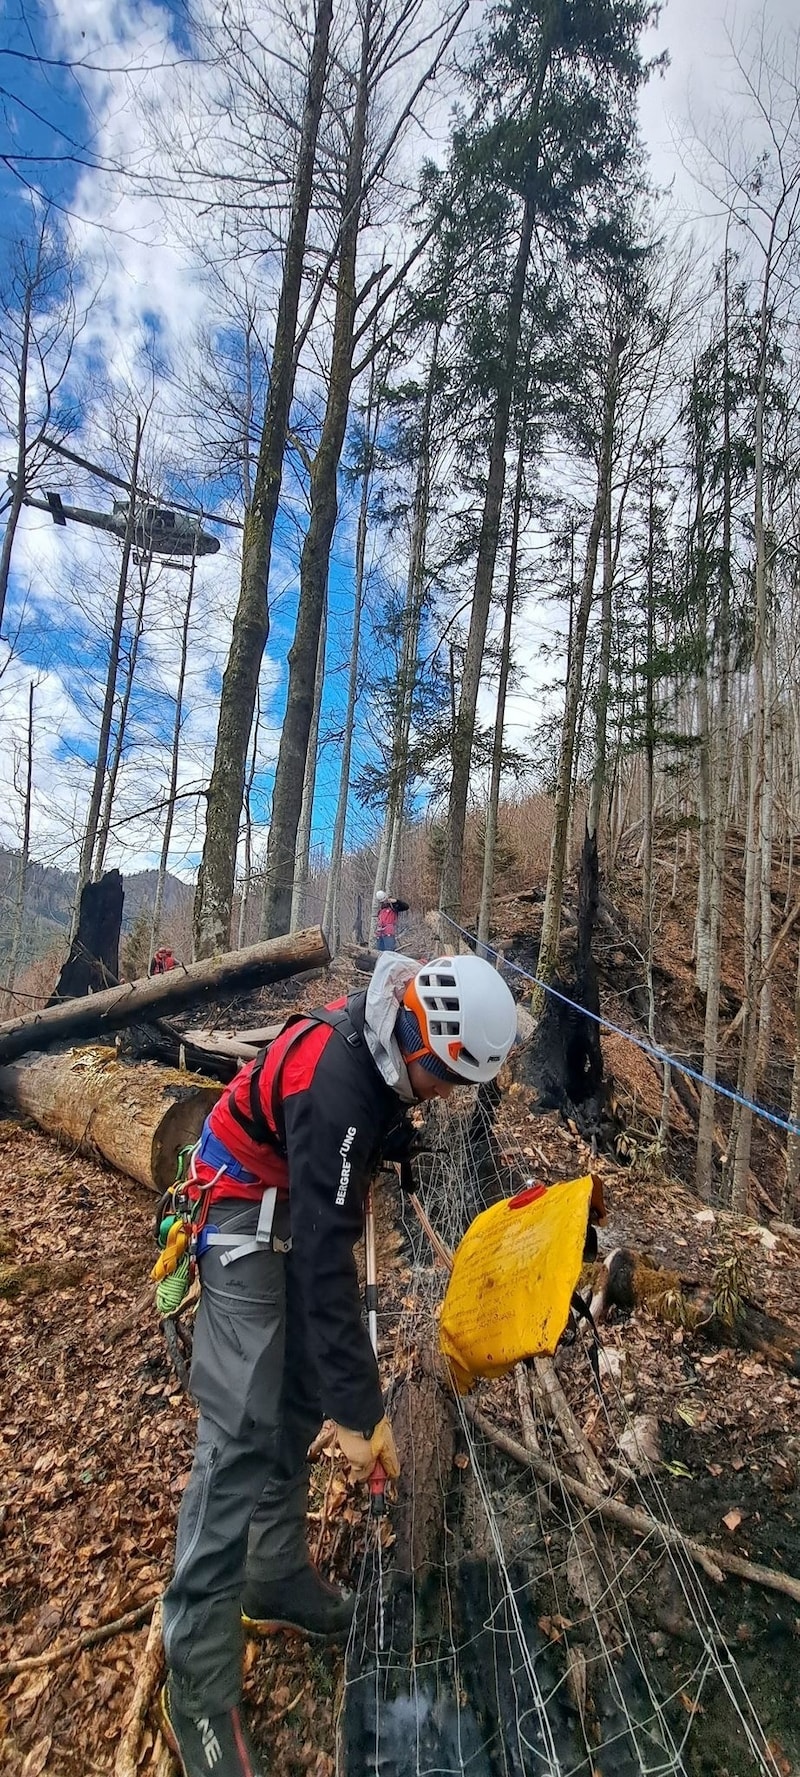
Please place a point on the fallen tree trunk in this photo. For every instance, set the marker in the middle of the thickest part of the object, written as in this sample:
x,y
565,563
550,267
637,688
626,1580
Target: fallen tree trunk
x,y
161,1041
135,1117
182,986
724,1315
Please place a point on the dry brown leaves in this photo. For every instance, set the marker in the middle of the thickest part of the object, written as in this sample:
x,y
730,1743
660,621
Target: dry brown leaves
x,y
95,1447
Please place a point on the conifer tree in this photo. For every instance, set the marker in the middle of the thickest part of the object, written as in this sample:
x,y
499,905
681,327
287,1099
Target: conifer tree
x,y
550,133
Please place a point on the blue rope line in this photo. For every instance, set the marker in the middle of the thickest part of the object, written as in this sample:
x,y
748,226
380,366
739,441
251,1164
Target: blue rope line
x,y
748,1104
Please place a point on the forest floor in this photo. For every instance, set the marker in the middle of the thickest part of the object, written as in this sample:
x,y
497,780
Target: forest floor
x,y
97,1442
96,1438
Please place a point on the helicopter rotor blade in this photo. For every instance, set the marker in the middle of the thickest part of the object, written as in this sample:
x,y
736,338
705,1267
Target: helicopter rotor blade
x,y
119,481
83,463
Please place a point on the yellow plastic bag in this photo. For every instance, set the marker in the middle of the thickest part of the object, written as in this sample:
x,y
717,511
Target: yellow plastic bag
x,y
512,1280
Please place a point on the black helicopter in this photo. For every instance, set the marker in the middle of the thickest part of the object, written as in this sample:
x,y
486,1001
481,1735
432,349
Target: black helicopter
x,y
165,531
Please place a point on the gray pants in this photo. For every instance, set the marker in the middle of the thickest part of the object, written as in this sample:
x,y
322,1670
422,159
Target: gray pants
x,y
245,1502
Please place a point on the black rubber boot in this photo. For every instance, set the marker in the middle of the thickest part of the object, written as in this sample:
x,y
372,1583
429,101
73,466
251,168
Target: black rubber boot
x,y
208,1745
304,1601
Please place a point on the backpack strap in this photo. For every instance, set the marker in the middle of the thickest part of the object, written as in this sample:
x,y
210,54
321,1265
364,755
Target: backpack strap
x,y
255,1124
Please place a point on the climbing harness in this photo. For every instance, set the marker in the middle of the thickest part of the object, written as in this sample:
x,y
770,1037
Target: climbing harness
x,y
183,1231
238,1248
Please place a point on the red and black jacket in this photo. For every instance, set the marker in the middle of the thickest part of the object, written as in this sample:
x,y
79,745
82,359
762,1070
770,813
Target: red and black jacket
x,y
320,1135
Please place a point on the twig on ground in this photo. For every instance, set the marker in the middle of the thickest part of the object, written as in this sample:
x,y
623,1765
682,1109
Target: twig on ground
x,y
163,1762
577,1444
133,1619
126,1763
715,1562
323,1517
442,1252
523,1384
141,1305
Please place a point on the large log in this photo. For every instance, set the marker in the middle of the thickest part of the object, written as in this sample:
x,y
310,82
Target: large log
x,y
184,985
137,1117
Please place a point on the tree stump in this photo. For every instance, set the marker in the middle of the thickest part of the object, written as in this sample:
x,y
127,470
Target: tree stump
x,y
93,961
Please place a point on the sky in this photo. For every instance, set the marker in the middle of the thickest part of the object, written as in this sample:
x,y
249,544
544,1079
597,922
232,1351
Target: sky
x,y
141,297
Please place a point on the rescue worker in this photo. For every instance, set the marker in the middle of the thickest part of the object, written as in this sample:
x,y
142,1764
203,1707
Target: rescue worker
x,y
163,961
285,1159
386,924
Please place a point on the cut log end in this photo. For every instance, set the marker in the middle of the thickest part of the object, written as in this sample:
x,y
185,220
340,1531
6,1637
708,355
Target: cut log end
x,y
135,1116
180,1127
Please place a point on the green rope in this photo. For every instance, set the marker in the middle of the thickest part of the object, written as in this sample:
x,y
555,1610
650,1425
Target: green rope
x,y
171,1290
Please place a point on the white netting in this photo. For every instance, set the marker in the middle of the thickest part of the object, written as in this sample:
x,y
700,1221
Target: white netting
x,y
524,1648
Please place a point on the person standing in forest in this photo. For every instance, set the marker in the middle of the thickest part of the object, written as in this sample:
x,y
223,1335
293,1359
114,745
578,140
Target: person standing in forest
x,y
278,1182
163,961
389,910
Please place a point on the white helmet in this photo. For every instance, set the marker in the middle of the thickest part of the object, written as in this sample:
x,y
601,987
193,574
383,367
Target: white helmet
x,y
466,1014
381,895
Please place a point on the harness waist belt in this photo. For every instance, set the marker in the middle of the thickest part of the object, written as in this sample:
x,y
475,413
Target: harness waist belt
x,y
253,1243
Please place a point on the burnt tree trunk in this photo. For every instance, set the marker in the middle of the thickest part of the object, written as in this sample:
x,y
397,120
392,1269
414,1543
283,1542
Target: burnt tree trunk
x,y
628,1280
563,1061
93,961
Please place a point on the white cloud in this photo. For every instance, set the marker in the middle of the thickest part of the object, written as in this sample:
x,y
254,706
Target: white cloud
x,y
146,261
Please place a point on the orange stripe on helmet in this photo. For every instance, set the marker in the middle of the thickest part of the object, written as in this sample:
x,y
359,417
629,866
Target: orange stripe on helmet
x,y
412,1000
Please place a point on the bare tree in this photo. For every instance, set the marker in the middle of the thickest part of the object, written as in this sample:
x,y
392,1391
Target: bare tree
x,y
551,917
214,896
423,447
303,845
115,756
493,804
766,206
719,775
331,918
18,916
38,331
387,33
101,758
172,789
247,879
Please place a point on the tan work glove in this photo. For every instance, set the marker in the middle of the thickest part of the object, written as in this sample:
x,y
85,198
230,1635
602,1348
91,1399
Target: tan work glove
x,y
361,1454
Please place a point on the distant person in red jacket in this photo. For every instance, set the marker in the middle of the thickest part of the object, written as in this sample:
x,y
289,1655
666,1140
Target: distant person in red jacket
x,y
389,909
163,961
